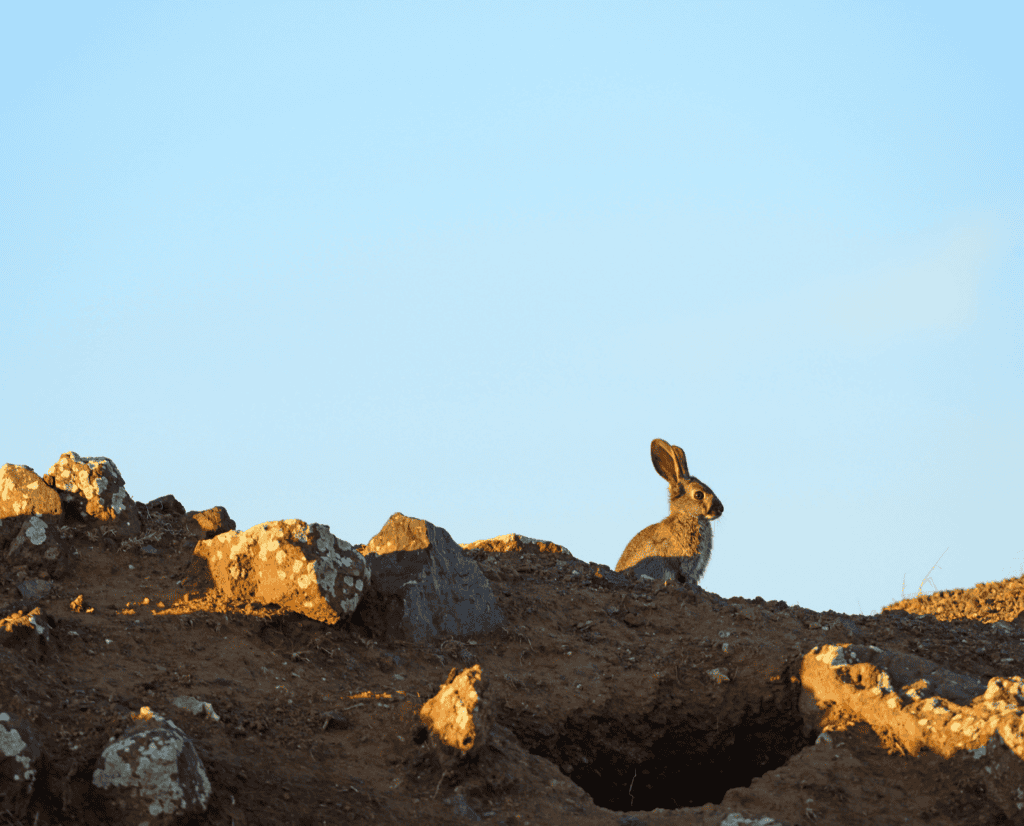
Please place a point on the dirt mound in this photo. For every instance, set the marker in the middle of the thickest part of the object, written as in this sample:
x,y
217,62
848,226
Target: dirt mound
x,y
609,700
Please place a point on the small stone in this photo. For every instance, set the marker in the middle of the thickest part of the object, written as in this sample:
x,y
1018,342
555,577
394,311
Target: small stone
x,y
196,707
335,719
459,717
35,589
28,632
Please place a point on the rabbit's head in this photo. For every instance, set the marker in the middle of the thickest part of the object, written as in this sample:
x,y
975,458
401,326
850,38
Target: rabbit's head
x,y
686,494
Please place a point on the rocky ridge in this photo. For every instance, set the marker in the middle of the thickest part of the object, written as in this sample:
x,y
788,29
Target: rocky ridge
x,y
158,666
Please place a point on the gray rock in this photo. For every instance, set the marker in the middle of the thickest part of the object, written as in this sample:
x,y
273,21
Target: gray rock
x,y
35,589
301,567
461,808
152,773
93,486
22,492
20,756
424,586
39,544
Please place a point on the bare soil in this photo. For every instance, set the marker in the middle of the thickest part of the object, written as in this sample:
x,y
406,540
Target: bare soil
x,y
639,704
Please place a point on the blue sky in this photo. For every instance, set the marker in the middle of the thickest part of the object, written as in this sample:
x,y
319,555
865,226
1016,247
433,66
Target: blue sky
x,y
329,261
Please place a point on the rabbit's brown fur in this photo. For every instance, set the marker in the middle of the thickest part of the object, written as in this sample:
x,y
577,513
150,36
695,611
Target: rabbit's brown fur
x,y
683,538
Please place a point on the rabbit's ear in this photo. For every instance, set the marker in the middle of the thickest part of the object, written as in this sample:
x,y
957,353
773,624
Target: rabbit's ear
x,y
680,461
664,460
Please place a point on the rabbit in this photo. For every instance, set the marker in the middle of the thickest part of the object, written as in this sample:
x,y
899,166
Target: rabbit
x,y
679,546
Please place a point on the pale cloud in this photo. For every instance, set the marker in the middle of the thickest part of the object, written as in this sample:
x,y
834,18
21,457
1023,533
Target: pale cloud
x,y
932,288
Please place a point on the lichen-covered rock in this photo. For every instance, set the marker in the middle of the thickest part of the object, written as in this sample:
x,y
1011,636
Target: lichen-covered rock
x,y
459,717
30,633
889,690
209,523
301,567
424,585
922,706
39,545
94,486
22,492
152,773
20,755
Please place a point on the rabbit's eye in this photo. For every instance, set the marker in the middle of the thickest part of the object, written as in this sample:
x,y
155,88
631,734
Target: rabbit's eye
x,y
698,495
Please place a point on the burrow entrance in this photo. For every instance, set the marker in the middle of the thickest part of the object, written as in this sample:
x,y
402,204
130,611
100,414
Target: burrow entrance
x,y
671,760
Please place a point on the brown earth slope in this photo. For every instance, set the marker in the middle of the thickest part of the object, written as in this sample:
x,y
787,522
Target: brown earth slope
x,y
642,703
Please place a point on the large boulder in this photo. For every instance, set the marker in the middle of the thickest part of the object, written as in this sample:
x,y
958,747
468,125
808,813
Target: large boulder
x,y
152,773
301,567
94,486
20,756
22,492
424,586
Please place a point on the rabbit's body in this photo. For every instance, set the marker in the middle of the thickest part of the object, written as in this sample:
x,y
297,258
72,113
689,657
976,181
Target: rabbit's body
x,y
680,544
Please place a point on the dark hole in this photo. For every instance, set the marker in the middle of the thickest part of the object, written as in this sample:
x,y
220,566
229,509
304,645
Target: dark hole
x,y
631,764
